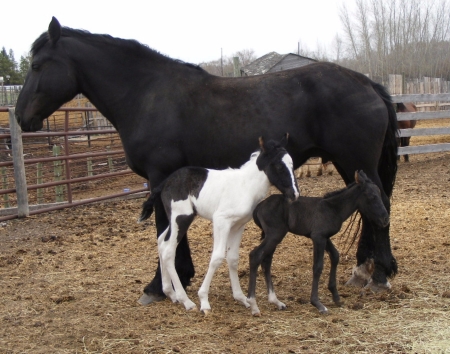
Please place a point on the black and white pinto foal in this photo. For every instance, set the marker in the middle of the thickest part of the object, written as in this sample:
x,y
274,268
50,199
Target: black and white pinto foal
x,y
225,197
318,219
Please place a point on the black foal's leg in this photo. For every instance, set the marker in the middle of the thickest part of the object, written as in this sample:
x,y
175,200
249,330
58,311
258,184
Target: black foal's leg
x,y
320,243
183,262
262,255
334,261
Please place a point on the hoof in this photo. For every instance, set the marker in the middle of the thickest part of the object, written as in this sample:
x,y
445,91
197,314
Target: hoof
x,y
256,314
377,287
324,312
147,299
356,281
206,312
192,309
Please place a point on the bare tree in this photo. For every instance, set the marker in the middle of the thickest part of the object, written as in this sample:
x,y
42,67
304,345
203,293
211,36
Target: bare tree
x,y
397,36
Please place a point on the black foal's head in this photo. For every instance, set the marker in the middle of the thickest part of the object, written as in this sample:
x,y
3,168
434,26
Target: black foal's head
x,y
371,204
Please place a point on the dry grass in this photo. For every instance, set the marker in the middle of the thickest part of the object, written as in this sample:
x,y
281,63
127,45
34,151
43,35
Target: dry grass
x,y
69,281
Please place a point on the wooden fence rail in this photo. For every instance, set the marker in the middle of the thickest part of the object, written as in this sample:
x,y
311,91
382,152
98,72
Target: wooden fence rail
x,y
417,98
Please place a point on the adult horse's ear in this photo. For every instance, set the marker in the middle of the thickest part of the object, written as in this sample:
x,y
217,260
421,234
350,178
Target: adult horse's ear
x,y
261,143
356,177
54,30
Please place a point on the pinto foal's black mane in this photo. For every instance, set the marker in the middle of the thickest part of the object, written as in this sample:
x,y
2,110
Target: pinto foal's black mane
x,y
130,45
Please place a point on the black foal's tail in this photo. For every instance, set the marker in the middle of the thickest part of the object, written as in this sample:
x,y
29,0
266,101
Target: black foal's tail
x,y
387,166
148,206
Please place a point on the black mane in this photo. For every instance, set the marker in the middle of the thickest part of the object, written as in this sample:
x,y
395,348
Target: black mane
x,y
129,44
339,191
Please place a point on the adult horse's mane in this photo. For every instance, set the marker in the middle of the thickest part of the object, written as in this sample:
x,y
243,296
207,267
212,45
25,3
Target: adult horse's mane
x,y
131,45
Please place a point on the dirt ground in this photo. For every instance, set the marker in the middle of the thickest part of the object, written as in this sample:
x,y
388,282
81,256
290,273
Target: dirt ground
x,y
70,281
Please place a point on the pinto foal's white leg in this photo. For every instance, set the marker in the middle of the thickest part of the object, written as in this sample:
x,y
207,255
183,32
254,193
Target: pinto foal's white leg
x,y
169,275
220,235
234,241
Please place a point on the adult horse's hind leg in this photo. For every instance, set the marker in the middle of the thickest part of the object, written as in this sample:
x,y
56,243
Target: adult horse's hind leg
x,y
374,244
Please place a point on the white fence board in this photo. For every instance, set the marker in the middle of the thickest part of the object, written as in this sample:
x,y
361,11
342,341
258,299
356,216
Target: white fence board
x,y
422,149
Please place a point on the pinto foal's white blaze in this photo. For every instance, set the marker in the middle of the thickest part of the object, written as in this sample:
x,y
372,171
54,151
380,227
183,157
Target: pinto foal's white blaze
x,y
225,197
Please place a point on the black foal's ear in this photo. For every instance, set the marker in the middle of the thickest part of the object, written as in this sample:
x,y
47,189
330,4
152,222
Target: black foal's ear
x,y
360,177
261,143
54,30
284,140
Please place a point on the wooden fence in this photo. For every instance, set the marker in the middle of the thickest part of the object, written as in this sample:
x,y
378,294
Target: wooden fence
x,y
438,101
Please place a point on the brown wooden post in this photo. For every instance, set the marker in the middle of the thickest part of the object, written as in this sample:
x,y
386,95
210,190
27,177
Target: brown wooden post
x,y
20,179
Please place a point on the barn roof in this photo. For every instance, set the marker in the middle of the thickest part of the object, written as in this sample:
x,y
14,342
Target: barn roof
x,y
269,61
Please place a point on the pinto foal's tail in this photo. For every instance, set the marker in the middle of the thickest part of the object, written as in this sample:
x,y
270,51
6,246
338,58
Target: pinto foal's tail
x,y
148,205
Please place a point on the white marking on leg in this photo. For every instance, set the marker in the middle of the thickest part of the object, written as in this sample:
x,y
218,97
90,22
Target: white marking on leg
x,y
272,297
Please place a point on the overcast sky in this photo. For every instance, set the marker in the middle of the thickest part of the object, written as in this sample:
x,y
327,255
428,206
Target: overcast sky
x,y
191,30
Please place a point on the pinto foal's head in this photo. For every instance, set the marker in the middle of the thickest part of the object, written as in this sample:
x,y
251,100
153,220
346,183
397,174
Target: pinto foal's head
x,y
277,164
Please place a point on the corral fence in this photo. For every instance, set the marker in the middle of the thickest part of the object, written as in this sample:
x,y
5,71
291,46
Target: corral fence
x,y
78,160
432,99
9,94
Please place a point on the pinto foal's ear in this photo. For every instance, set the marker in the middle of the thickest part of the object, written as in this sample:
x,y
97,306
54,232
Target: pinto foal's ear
x,y
261,143
54,30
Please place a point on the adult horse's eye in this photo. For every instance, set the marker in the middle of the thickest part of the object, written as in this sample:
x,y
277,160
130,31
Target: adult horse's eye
x,y
35,67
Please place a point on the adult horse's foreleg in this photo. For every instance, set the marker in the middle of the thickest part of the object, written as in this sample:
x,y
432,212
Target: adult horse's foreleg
x,y
153,292
167,250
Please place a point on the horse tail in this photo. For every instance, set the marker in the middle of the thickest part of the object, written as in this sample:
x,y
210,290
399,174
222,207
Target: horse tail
x,y
387,165
148,205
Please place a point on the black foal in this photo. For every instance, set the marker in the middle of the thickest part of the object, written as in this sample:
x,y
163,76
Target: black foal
x,y
318,219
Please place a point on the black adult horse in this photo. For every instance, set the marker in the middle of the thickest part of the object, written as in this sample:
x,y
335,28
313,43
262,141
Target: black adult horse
x,y
170,114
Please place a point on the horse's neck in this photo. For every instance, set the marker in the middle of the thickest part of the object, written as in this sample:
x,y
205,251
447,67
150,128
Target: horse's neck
x,y
256,182
345,203
113,78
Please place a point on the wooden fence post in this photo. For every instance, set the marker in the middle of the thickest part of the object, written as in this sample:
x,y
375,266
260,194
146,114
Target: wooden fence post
x,y
89,167
20,178
5,186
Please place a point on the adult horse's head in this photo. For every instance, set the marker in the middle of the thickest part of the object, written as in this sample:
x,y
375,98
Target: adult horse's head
x,y
277,164
50,82
370,204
